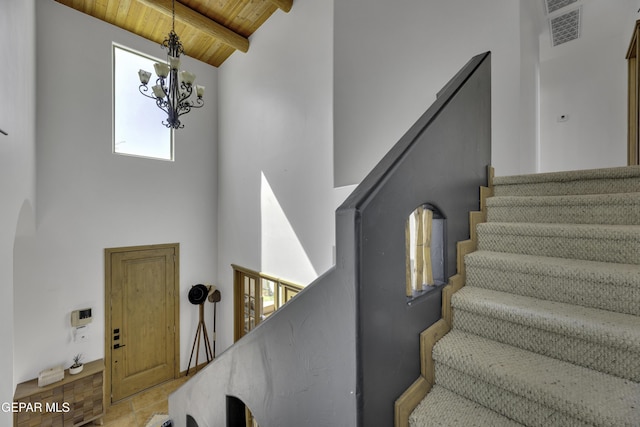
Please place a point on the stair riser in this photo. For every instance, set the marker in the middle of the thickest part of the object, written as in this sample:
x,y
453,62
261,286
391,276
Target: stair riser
x,y
441,407
600,186
604,358
612,294
506,403
585,214
603,249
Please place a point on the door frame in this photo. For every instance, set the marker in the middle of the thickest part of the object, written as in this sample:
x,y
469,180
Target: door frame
x,y
107,309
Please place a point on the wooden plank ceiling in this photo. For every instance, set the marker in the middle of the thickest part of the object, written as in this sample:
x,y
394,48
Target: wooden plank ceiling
x,y
210,30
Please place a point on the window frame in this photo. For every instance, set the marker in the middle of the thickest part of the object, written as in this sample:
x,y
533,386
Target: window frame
x,y
171,131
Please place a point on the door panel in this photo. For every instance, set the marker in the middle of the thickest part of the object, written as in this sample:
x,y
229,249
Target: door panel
x,y
143,316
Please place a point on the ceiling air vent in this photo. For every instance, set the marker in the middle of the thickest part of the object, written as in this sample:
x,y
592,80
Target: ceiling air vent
x,y
553,5
565,27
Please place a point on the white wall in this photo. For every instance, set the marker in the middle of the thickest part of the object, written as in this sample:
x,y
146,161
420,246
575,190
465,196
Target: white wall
x,y
392,58
90,199
529,118
272,180
277,111
586,80
276,198
17,167
633,6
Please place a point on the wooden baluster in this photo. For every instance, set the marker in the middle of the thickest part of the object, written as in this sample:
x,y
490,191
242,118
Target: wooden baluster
x,y
427,222
408,269
419,243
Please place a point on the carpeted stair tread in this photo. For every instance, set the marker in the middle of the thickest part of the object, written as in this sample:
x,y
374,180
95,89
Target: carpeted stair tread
x,y
442,407
606,243
589,181
617,208
603,327
523,377
607,286
516,407
598,339
620,172
546,330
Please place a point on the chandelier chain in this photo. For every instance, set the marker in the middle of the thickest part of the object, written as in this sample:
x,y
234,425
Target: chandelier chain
x,y
173,89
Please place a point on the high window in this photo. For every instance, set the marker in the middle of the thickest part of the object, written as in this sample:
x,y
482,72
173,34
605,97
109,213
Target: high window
x,y
137,121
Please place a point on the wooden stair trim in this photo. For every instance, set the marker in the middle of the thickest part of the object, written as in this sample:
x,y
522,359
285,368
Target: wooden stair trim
x,y
407,402
455,284
428,340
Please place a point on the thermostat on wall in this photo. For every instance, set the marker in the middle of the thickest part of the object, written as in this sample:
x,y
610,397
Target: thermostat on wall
x,y
81,317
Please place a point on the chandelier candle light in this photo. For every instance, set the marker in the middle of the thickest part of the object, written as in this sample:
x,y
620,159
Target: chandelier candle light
x,y
173,98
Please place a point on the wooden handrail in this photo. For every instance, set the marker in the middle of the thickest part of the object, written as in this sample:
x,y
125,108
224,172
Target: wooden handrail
x,y
285,283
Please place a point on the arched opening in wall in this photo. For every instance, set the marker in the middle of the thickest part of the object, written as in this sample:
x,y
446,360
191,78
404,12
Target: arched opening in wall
x,y
425,241
238,414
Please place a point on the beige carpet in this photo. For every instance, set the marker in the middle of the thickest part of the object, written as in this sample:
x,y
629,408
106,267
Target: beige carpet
x,y
546,331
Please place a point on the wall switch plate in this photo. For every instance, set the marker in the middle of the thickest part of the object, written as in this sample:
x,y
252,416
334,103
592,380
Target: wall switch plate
x,y
81,333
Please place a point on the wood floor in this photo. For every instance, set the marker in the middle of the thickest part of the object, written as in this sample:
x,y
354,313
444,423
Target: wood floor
x,y
138,409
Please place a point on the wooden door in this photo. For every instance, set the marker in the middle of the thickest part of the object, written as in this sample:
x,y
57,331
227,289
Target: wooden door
x,y
633,144
142,309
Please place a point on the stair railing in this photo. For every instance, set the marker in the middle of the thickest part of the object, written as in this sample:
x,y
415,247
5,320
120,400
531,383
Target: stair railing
x,y
342,352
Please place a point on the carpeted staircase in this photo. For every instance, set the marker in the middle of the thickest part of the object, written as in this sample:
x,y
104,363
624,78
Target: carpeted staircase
x,y
546,330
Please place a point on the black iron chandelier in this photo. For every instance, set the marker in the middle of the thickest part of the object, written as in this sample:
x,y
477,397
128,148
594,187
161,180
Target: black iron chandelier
x,y
173,89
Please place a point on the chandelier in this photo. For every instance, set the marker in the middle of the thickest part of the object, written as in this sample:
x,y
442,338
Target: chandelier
x,y
173,89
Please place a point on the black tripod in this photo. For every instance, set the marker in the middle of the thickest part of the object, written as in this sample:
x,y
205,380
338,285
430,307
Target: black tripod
x,y
202,330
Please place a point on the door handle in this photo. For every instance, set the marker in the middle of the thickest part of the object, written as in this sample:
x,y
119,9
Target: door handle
x,y
117,346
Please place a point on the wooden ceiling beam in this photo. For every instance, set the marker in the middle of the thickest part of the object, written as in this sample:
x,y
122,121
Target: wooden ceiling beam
x,y
284,5
200,22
